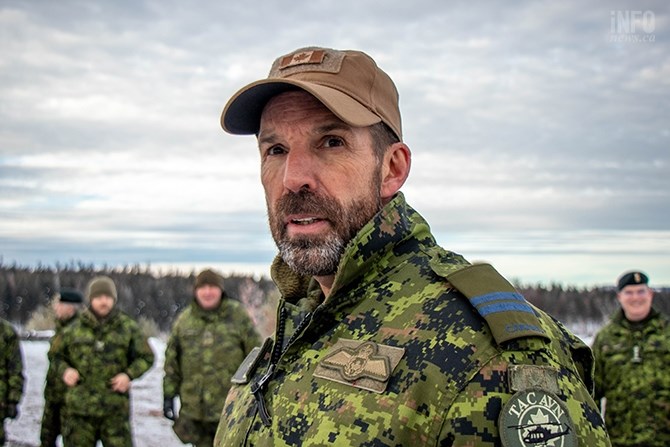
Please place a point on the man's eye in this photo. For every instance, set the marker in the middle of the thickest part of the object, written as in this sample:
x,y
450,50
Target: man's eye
x,y
333,142
275,150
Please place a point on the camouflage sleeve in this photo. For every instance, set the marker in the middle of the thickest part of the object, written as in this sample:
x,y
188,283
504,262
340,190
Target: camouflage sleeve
x,y
475,417
14,369
58,355
141,356
173,377
598,369
251,337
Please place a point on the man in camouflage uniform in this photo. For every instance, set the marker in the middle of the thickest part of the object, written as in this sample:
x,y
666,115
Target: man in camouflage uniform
x,y
66,306
98,356
383,338
631,372
11,375
207,343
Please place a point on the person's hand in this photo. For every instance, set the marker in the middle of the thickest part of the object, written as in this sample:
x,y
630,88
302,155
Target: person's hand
x,y
168,408
11,410
120,383
71,377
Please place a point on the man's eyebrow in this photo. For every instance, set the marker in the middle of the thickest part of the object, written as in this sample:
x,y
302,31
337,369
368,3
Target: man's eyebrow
x,y
271,137
336,125
267,138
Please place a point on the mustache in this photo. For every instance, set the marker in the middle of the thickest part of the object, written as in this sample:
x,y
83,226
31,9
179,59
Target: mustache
x,y
307,202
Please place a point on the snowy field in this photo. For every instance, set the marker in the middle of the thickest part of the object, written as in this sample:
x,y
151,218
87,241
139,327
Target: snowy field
x,y
150,428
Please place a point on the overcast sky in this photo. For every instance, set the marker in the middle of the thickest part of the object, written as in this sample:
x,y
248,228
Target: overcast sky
x,y
540,132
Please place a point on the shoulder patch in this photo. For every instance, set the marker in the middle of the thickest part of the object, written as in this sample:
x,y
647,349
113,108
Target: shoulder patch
x,y
523,377
536,418
361,364
506,311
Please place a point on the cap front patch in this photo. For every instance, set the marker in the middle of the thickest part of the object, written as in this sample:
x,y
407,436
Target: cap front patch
x,y
303,57
536,418
307,60
366,365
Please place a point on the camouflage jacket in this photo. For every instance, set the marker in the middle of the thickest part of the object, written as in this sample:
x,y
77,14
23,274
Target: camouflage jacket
x,y
11,367
631,372
54,387
99,350
400,354
203,351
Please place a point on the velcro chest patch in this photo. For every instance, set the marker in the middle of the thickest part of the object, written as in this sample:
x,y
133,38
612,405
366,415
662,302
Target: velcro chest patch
x,y
362,364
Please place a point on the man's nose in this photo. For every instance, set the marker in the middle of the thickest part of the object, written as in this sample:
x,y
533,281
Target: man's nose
x,y
300,171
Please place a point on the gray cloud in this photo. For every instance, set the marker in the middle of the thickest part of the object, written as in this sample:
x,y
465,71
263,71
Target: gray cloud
x,y
522,119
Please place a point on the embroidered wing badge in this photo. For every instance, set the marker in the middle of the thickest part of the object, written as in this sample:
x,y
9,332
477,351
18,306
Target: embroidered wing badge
x,y
366,365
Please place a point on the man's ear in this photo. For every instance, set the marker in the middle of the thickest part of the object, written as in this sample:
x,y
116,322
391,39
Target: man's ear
x,y
395,169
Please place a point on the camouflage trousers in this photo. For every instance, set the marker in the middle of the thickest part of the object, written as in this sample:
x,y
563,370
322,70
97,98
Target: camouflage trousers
x,y
198,433
51,423
84,431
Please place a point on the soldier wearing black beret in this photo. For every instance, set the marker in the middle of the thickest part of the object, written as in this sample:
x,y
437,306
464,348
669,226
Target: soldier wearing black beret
x,y
66,305
632,355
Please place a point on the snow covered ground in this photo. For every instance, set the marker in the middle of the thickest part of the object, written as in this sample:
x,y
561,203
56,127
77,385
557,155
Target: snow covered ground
x,y
150,428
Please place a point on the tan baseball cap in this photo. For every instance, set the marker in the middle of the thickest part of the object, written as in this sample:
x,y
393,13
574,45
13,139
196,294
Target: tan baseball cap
x,y
348,82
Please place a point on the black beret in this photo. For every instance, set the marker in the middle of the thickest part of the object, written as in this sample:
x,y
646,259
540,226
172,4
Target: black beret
x,y
71,296
632,279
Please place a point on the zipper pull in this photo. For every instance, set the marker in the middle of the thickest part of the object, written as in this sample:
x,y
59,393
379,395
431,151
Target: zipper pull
x,y
257,389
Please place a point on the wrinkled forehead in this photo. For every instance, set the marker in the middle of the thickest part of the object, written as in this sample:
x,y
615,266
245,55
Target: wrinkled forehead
x,y
296,108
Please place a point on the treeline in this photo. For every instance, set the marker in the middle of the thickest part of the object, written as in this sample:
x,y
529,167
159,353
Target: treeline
x,y
141,293
159,298
572,304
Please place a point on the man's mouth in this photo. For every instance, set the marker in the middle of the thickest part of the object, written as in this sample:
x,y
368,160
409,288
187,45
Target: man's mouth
x,y
304,224
305,220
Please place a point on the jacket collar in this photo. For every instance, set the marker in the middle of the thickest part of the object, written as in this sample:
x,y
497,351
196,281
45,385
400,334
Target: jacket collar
x,y
621,319
213,313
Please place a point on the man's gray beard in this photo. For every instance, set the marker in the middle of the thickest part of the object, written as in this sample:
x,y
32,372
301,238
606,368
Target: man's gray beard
x,y
313,258
320,256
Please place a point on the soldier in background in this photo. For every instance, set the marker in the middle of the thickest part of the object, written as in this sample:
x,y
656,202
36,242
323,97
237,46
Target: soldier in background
x,y
11,375
383,337
207,343
66,305
98,356
632,359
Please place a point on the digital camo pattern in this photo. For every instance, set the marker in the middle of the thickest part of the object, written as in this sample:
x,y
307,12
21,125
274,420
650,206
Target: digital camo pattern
x,y
452,381
54,394
99,350
631,371
11,371
202,354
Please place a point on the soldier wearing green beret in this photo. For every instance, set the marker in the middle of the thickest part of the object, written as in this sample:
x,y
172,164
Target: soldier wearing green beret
x,y
66,305
97,357
383,338
207,343
11,375
631,373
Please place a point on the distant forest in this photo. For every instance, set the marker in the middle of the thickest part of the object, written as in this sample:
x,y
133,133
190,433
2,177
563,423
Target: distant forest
x,y
159,298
